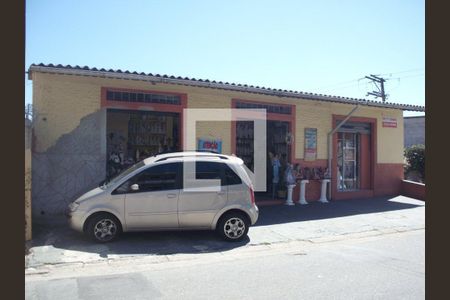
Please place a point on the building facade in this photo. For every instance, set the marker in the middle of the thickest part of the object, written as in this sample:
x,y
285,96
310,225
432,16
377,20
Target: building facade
x,y
414,128
28,221
91,123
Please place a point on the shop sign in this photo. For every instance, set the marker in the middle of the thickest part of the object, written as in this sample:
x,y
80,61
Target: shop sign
x,y
210,145
310,144
389,122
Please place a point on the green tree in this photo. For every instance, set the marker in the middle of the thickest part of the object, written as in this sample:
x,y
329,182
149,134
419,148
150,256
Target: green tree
x,y
415,159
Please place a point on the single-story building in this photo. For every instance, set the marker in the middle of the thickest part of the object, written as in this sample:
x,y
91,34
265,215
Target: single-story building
x,y
91,123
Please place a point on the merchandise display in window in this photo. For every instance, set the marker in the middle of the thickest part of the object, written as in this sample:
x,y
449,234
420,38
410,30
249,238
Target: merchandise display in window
x,y
244,142
135,135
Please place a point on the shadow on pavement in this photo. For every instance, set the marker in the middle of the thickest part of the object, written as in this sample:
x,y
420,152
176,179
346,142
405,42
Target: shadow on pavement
x,y
279,214
58,235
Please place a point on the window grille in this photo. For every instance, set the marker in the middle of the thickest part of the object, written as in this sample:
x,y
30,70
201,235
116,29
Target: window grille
x,y
142,97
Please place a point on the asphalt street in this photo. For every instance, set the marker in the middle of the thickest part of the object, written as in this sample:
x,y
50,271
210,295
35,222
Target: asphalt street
x,y
388,266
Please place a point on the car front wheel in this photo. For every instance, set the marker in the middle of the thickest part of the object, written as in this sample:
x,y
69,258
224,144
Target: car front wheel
x,y
103,228
233,226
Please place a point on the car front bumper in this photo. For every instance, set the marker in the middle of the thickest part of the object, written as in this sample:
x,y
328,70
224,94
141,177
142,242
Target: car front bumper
x,y
75,220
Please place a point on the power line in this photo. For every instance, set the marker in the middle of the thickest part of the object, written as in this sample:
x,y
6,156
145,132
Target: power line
x,y
376,79
397,86
400,72
340,83
412,76
358,79
342,87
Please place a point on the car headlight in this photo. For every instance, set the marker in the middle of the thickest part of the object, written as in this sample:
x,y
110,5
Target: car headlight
x,y
73,206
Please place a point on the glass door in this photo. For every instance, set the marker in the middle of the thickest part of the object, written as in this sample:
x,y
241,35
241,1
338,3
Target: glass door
x,y
348,154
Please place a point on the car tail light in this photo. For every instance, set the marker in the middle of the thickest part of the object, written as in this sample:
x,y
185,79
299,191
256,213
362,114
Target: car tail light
x,y
252,195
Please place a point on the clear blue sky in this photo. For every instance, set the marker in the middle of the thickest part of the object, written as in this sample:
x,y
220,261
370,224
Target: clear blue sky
x,y
311,46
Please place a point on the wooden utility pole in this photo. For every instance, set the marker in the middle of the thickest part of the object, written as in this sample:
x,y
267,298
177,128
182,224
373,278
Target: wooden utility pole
x,y
380,93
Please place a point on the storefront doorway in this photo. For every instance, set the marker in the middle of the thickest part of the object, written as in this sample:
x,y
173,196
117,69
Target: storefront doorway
x,y
133,135
353,157
278,152
280,128
348,161
276,137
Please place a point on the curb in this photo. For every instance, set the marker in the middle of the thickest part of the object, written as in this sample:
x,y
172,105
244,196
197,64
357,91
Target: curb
x,y
43,269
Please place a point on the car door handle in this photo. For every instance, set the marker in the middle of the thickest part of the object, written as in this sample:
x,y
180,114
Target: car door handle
x,y
171,195
221,193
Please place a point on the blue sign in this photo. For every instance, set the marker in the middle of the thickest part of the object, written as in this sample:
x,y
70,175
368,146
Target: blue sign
x,y
210,145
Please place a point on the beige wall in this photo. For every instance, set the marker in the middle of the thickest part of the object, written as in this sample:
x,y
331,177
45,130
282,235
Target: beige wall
x,y
64,99
209,98
319,115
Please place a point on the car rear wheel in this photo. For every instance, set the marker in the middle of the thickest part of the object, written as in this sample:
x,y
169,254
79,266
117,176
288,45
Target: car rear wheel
x,y
103,228
233,226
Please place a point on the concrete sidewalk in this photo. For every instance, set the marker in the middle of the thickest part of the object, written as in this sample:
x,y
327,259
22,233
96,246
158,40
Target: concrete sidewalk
x,y
55,245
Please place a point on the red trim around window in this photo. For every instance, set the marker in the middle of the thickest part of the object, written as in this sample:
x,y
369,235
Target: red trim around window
x,y
159,107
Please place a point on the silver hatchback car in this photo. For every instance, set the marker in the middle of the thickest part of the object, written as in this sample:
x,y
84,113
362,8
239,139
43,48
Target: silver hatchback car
x,y
152,196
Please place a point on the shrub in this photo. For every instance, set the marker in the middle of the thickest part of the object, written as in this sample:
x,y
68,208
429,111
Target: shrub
x,y
415,159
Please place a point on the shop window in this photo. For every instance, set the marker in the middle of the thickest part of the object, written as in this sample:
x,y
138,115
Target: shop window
x,y
135,135
142,97
244,142
118,96
158,98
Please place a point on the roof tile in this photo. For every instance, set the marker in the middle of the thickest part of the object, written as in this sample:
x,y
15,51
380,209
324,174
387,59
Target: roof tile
x,y
331,98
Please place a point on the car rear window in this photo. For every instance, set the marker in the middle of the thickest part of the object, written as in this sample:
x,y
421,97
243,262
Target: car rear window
x,y
215,170
230,176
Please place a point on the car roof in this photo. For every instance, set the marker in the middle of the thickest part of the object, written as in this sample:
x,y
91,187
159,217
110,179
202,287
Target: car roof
x,y
192,154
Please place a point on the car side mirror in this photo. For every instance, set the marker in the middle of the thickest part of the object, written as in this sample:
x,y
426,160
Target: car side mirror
x,y
135,187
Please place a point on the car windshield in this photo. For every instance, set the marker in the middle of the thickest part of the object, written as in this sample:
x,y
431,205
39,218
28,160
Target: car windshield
x,y
122,174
